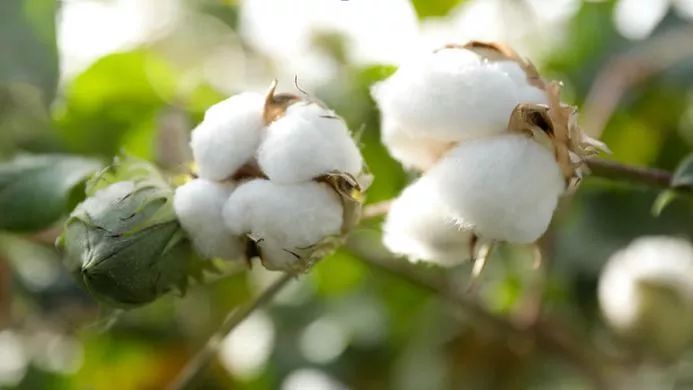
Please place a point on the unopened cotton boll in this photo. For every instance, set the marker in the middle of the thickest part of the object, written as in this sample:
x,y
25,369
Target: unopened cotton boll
x,y
505,187
228,136
306,142
646,292
198,205
284,218
417,226
453,94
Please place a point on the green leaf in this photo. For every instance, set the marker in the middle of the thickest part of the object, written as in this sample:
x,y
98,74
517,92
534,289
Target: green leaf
x,y
35,190
662,201
683,176
27,41
114,104
427,8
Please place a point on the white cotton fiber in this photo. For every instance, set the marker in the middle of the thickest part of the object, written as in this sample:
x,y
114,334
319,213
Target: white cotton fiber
x,y
228,136
506,187
665,261
413,150
451,95
308,141
417,226
198,205
288,216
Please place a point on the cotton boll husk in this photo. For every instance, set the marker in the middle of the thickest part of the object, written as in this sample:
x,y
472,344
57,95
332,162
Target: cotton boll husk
x,y
506,187
417,226
198,205
228,136
646,291
451,95
284,217
413,151
307,142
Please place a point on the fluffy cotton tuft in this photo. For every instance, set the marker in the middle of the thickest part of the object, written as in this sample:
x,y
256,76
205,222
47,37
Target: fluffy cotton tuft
x,y
505,187
657,261
418,227
453,95
198,205
283,218
228,136
413,151
308,141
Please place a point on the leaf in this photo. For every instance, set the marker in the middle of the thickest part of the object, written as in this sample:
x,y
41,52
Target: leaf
x,y
35,190
683,176
427,8
27,41
662,201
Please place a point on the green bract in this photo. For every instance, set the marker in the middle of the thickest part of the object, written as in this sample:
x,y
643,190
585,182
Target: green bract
x,y
123,243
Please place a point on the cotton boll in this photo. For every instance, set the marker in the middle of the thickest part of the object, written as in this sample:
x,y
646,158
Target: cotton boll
x,y
413,151
506,187
228,136
526,92
308,141
198,205
418,227
449,95
646,291
284,218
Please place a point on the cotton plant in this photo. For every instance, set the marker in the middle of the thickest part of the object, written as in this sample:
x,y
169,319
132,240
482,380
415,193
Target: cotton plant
x,y
646,294
495,146
278,177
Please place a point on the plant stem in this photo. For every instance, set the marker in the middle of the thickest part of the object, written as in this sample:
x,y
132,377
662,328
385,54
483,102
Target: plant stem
x,y
613,170
199,362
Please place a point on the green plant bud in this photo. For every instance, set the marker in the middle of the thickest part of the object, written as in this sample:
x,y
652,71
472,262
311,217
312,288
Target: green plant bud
x,y
124,243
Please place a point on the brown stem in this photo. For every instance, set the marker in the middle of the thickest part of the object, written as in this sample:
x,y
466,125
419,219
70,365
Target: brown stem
x,y
199,362
620,172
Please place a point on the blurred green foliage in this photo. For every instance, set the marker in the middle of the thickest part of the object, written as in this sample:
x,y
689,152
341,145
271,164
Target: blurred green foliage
x,y
396,335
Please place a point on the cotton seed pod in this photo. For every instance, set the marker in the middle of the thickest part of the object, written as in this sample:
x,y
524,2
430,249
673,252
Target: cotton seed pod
x,y
451,95
418,227
229,136
198,205
124,244
305,141
504,187
288,222
646,294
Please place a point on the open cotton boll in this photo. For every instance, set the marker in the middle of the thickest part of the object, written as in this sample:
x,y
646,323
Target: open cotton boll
x,y
646,290
413,151
450,95
306,142
228,136
292,217
418,227
198,205
506,187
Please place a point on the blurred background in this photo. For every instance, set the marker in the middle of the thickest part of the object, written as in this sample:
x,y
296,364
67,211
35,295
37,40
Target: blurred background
x,y
97,77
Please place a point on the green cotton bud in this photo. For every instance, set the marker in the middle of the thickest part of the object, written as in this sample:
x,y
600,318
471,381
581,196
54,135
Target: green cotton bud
x,y
124,243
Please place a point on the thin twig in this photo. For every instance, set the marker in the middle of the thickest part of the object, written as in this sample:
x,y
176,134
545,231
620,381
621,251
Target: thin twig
x,y
199,362
620,172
